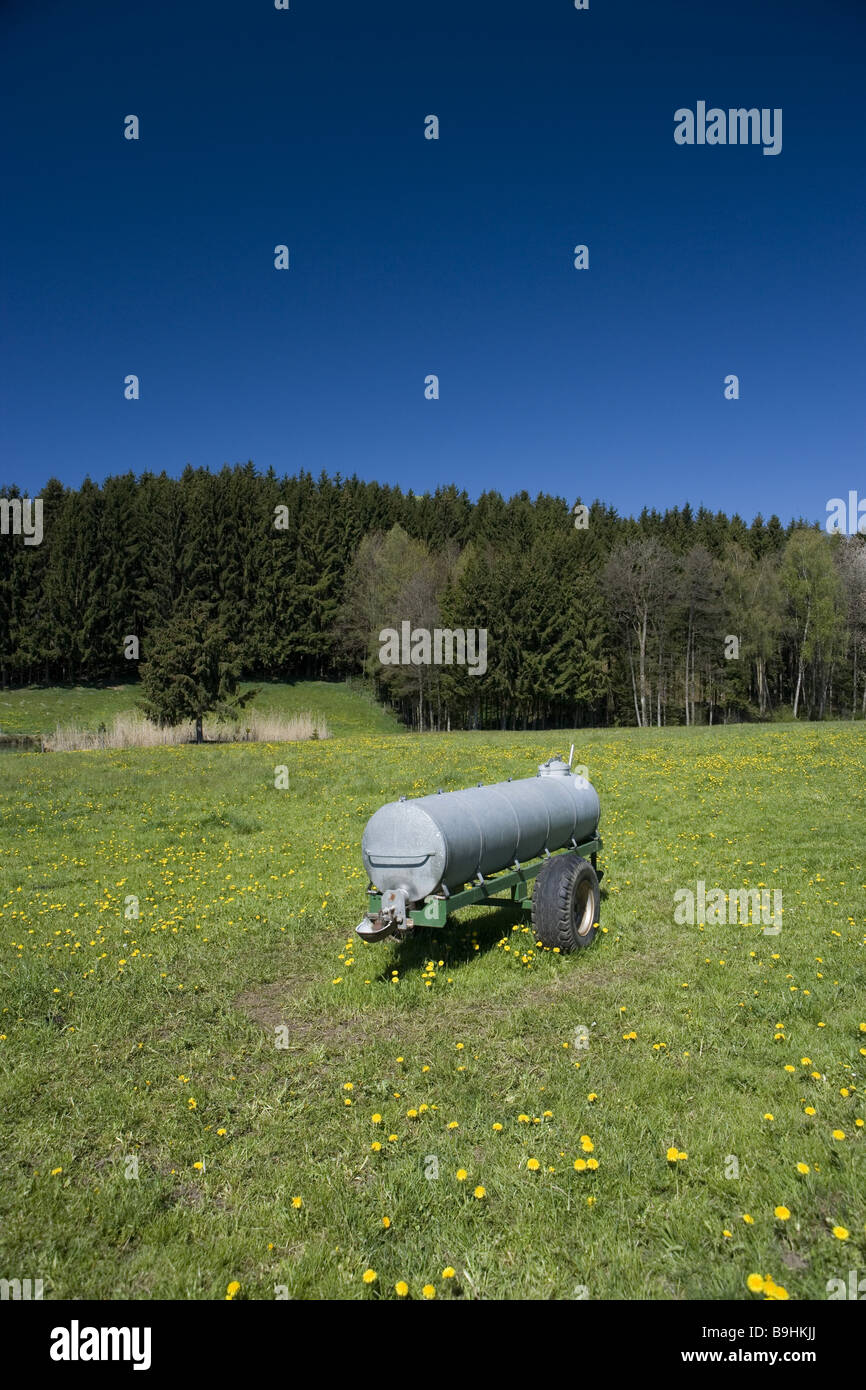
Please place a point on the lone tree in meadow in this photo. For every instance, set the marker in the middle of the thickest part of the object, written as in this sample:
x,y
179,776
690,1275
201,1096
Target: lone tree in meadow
x,y
192,670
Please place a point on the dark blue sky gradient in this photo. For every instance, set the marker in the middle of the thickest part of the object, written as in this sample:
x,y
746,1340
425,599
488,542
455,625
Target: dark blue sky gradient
x,y
455,257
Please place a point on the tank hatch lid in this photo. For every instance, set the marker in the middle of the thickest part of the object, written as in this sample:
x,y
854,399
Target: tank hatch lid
x,y
554,767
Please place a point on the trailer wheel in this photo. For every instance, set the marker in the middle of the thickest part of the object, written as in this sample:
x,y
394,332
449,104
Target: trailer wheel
x,y
566,903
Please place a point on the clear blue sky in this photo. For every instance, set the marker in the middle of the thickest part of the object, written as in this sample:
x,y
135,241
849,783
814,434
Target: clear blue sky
x,y
454,257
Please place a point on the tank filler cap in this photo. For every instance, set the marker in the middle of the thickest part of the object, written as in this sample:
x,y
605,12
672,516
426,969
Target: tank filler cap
x,y
554,767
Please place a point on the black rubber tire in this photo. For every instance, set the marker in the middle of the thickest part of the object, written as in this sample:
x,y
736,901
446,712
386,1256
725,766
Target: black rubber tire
x,y
566,903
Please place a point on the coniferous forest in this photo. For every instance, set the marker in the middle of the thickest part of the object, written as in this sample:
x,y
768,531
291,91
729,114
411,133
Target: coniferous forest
x,y
686,617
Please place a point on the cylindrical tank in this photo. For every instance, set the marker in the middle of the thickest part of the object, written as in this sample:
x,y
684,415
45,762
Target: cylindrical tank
x,y
448,839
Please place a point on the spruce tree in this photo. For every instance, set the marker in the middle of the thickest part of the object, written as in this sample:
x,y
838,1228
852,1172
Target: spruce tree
x,y
192,669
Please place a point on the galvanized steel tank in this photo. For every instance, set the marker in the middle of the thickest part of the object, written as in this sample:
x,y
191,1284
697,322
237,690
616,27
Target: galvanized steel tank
x,y
446,840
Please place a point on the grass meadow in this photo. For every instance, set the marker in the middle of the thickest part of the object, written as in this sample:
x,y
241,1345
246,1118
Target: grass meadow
x,y
34,712
228,1091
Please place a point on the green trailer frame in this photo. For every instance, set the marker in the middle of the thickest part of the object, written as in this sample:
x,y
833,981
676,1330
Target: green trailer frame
x,y
438,907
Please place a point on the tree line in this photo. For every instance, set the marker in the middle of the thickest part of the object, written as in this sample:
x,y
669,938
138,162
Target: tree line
x,y
685,616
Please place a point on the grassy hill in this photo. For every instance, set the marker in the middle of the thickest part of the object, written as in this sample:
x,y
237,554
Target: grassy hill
x,y
38,710
228,1088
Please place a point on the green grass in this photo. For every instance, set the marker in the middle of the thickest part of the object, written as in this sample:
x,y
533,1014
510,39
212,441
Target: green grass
x,y
248,898
39,710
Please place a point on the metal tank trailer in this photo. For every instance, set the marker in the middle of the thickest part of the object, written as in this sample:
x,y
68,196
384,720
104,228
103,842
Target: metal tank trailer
x,y
430,856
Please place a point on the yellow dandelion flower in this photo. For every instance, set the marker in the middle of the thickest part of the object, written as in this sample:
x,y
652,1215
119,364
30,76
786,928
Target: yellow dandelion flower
x,y
428,1291
802,1167
480,1192
841,1233
749,1220
297,1203
461,1175
369,1276
533,1165
838,1134
755,1282
448,1272
781,1213
401,1288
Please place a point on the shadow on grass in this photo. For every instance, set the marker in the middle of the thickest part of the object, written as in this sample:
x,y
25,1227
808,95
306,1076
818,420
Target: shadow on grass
x,y
455,944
